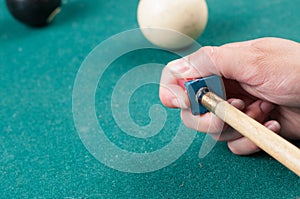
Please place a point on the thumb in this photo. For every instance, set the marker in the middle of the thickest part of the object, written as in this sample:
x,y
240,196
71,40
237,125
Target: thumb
x,y
234,61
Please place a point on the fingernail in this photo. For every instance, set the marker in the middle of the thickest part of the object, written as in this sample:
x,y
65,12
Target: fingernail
x,y
179,66
270,125
273,126
266,107
239,104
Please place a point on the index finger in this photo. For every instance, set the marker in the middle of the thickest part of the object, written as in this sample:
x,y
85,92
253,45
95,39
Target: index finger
x,y
231,61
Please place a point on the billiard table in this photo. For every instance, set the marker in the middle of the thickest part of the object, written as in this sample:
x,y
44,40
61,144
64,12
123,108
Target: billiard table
x,y
81,117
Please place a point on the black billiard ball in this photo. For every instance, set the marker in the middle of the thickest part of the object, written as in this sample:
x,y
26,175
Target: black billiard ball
x,y
34,13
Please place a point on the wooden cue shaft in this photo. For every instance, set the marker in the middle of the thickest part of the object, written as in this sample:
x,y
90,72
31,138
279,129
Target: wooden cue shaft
x,y
279,148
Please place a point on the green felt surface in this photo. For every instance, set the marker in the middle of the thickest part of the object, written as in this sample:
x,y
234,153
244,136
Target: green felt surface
x,y
41,153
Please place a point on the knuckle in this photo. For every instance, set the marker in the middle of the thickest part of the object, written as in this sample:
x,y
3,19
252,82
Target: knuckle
x,y
253,147
235,150
260,54
212,53
215,136
218,137
259,59
211,124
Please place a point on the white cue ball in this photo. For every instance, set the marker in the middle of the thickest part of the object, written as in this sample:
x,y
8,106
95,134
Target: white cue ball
x,y
188,17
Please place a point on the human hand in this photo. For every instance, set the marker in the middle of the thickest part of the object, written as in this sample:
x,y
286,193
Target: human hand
x,y
261,78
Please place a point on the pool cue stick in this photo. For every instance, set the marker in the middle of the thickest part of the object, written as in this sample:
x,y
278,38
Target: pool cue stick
x,y
279,148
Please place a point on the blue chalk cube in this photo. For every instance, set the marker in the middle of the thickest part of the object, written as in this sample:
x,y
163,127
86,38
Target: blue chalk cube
x,y
214,84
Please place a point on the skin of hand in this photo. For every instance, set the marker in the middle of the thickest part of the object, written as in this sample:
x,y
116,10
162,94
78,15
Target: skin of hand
x,y
261,78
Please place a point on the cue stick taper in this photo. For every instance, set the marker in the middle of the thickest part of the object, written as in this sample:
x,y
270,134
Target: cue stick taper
x,y
279,148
